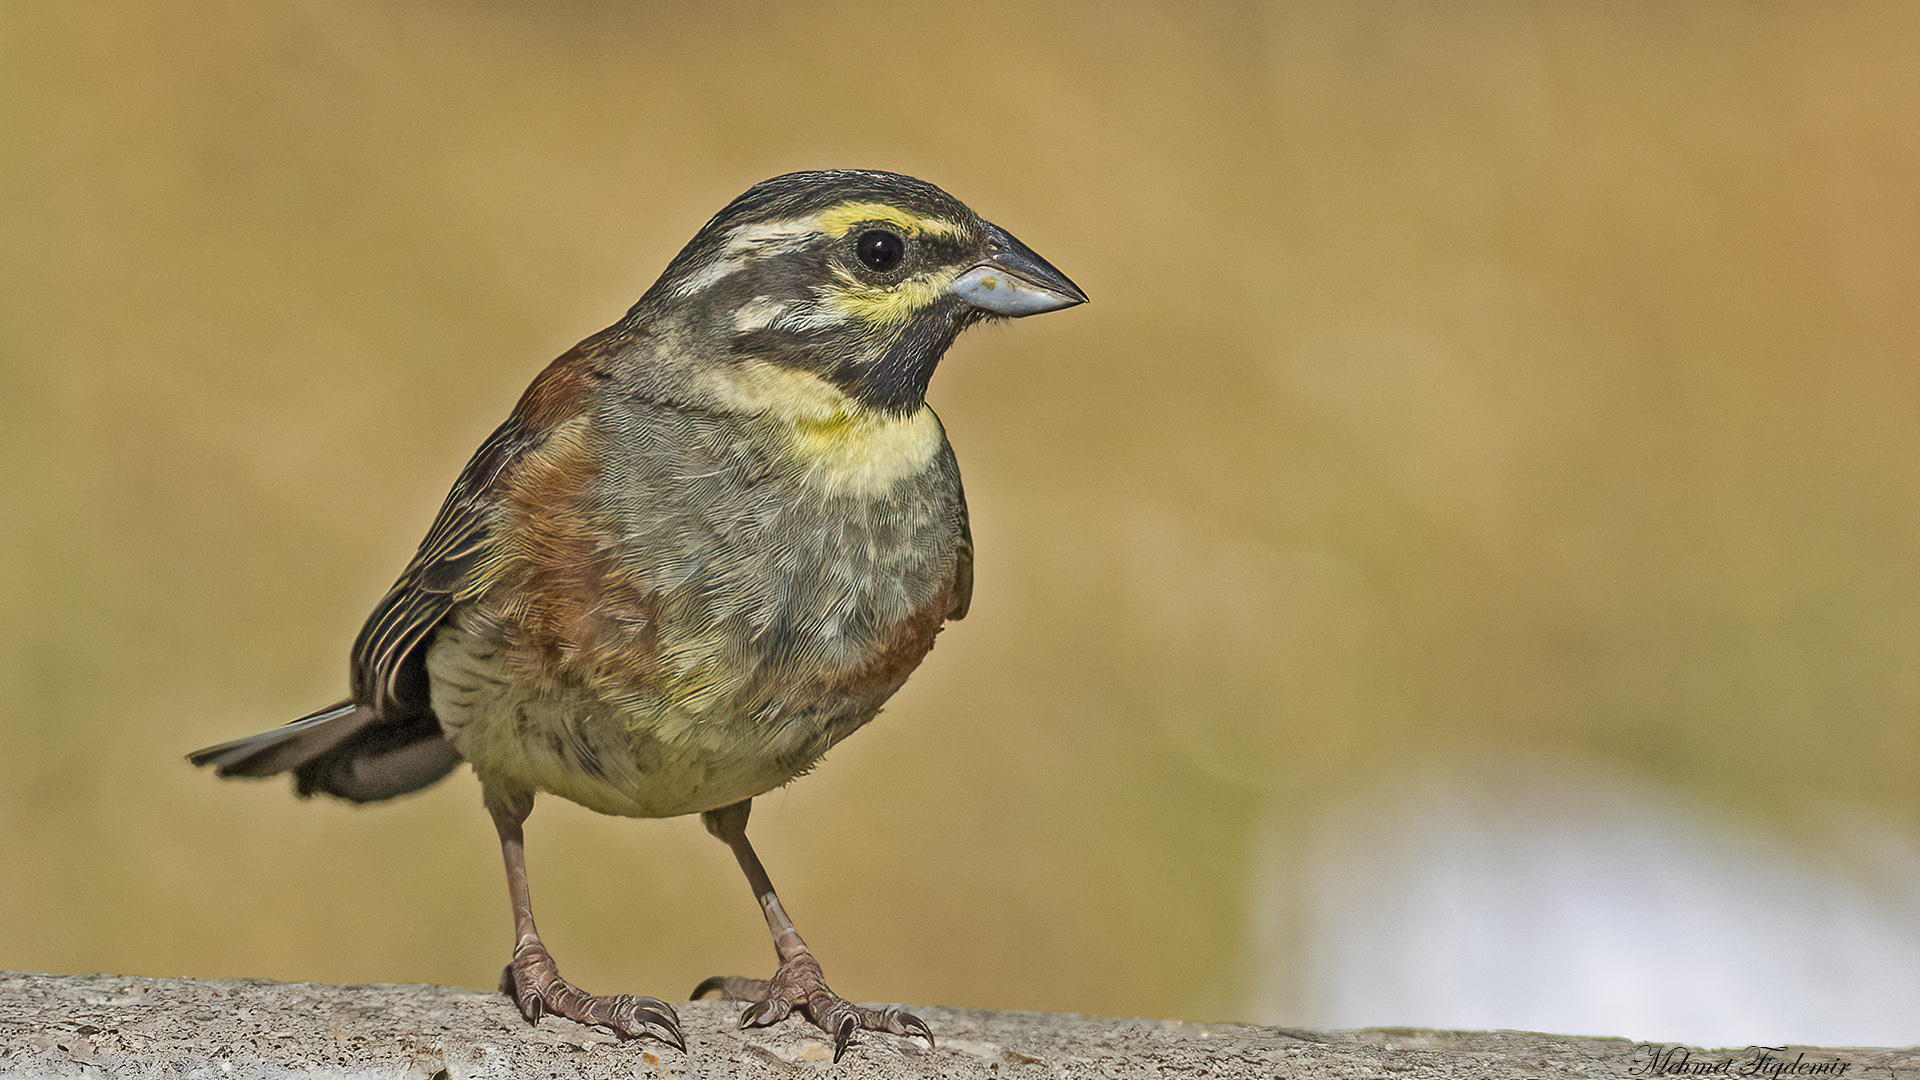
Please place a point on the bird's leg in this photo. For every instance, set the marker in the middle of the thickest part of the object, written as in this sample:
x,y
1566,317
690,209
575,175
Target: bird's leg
x,y
799,982
533,980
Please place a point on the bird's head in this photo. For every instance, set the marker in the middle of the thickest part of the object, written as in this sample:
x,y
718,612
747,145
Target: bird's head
x,y
858,279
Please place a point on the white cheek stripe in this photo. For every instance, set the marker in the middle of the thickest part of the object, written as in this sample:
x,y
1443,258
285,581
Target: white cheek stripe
x,y
744,243
708,275
758,314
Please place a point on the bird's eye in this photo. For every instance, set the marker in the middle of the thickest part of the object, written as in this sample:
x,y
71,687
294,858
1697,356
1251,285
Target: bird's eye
x,y
880,249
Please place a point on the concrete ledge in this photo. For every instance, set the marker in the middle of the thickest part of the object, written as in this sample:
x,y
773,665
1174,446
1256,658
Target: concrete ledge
x,y
103,1025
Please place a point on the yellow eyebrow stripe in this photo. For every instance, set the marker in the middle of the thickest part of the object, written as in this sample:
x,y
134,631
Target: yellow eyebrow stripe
x,y
837,221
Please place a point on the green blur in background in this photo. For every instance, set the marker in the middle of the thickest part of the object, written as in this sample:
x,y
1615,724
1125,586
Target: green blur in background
x,y
1480,374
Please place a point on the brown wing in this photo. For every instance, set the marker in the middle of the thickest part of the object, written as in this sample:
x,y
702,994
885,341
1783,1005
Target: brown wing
x,y
447,569
456,560
403,749
386,740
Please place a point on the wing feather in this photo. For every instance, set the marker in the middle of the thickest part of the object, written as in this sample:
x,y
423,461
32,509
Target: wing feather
x,y
459,556
962,571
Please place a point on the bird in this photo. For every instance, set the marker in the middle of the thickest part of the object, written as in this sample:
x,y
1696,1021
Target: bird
x,y
708,543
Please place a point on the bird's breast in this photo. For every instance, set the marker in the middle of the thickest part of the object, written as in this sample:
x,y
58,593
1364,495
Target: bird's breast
x,y
719,602
785,556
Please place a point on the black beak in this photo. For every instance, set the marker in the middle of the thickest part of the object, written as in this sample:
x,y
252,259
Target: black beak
x,y
1014,281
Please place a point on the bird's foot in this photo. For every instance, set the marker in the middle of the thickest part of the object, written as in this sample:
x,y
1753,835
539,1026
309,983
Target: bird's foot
x,y
533,981
800,985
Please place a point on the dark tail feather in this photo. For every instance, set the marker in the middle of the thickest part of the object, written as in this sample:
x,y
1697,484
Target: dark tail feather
x,y
382,761
348,751
288,746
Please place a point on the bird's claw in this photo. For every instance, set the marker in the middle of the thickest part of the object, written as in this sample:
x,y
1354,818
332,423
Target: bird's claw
x,y
629,1017
901,1022
533,981
843,1032
765,1012
800,986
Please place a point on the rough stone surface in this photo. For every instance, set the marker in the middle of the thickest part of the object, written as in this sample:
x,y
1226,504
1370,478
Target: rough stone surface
x,y
116,1026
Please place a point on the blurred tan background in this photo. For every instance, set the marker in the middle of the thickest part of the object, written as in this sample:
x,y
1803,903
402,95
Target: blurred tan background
x,y
1461,381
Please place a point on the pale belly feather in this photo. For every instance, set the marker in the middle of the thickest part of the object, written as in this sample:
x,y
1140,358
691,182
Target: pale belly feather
x,y
653,761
